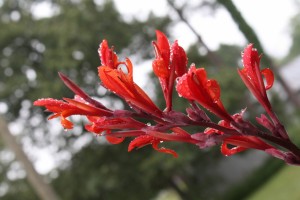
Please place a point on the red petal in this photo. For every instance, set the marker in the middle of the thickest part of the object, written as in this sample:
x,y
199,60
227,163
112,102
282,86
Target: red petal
x,y
213,89
178,59
159,68
66,123
54,105
94,129
163,149
228,152
201,76
182,86
88,109
107,56
112,139
250,58
171,137
124,86
111,80
242,143
269,76
52,102
180,131
164,46
140,142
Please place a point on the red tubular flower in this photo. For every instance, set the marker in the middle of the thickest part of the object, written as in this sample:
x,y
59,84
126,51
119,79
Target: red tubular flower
x,y
194,85
105,125
69,107
170,63
252,76
121,82
144,140
242,143
155,138
99,124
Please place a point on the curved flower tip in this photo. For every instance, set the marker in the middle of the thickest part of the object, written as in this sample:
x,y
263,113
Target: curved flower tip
x,y
107,56
69,107
242,143
144,140
112,139
269,77
194,85
59,108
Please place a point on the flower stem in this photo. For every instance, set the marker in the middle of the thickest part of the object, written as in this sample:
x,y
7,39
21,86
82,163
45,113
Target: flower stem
x,y
287,144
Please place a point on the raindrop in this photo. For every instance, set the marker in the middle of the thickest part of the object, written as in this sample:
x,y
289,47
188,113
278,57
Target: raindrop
x,y
148,124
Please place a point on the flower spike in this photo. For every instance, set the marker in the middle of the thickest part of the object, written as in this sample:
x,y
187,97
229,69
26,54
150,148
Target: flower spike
x,y
147,124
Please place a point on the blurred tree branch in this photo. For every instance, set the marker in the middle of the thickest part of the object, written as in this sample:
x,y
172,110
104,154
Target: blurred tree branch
x,y
43,190
214,58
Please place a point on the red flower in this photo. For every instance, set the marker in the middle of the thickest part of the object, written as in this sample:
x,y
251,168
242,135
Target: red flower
x,y
252,76
155,138
70,107
194,85
120,81
169,64
242,143
106,125
144,140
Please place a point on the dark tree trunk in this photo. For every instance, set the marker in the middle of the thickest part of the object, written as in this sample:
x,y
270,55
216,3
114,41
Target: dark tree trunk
x,y
43,190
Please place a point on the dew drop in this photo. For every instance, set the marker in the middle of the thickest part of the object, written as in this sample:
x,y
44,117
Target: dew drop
x,y
148,124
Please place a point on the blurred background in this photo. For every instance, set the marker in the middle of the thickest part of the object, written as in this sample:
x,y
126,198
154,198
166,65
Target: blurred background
x,y
38,38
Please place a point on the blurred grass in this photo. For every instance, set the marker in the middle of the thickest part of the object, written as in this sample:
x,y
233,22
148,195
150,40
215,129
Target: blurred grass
x,y
284,185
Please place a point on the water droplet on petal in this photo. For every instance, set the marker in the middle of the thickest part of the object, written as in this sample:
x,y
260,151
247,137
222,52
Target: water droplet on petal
x,y
148,124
